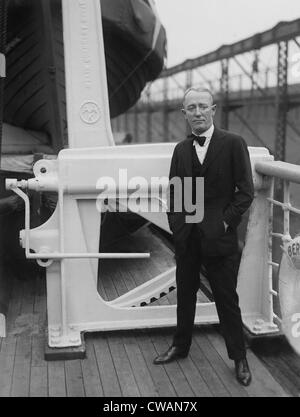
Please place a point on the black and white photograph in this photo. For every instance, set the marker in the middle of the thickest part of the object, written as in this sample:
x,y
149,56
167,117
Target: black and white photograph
x,y
149,201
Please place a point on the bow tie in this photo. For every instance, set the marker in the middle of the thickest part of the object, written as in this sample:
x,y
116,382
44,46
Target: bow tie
x,y
200,139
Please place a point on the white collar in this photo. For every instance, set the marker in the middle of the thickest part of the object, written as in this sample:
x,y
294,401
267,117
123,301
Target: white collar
x,y
208,133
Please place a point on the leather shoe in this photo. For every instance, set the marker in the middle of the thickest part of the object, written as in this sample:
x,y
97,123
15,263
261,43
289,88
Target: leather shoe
x,y
170,355
243,374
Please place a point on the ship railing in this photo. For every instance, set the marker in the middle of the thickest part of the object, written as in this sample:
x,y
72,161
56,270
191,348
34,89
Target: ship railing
x,y
282,174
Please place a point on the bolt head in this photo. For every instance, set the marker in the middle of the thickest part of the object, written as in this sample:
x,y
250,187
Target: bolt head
x,y
257,328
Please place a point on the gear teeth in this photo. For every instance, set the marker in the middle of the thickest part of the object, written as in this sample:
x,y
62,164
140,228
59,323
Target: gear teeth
x,y
153,299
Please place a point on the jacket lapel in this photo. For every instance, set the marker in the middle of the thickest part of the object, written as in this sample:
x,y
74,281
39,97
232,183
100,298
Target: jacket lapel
x,y
216,144
187,157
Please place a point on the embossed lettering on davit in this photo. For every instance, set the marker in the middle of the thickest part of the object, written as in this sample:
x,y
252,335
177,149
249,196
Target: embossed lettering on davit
x,y
90,112
85,44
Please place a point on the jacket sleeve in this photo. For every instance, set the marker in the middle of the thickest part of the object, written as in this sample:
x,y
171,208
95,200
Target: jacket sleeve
x,y
243,182
170,191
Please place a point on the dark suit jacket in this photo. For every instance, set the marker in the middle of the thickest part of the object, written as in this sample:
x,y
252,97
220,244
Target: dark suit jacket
x,y
228,193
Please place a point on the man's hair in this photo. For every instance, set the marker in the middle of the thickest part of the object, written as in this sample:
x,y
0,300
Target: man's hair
x,y
198,90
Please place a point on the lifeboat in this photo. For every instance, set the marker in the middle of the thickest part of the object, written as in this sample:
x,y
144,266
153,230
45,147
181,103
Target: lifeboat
x,y
34,97
34,113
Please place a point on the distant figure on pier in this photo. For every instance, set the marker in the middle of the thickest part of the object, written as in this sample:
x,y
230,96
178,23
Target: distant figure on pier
x,y
222,159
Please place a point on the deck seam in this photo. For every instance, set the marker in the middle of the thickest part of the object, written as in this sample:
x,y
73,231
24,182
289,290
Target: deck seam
x,y
190,357
165,373
98,368
217,370
148,372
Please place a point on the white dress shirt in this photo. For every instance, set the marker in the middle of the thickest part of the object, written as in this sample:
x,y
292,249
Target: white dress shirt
x,y
202,150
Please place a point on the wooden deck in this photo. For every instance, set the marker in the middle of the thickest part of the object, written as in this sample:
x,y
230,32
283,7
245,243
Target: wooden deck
x,y
119,364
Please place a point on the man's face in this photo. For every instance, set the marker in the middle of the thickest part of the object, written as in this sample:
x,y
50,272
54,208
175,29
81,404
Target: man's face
x,y
199,111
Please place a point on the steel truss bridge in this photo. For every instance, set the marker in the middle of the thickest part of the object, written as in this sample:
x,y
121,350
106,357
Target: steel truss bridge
x,y
262,69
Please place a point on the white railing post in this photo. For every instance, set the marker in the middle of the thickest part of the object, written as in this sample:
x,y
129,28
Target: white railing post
x,y
255,273
286,209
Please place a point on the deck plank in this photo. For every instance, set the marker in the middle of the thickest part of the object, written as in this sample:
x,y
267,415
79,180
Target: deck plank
x,y
23,328
139,367
91,377
121,363
189,369
38,382
117,278
100,286
282,362
107,281
123,367
161,258
108,375
194,377
158,374
163,255
175,374
74,379
263,384
208,373
226,375
282,374
27,305
127,278
15,305
39,371
21,372
292,360
7,359
56,379
141,270
38,350
40,305
40,293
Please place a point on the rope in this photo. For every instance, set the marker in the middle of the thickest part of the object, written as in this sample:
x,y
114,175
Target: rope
x,y
131,74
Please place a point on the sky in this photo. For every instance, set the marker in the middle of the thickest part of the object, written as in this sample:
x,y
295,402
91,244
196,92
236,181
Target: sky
x,y
195,27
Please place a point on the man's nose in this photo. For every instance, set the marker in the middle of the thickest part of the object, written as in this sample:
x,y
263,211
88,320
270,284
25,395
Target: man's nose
x,y
198,110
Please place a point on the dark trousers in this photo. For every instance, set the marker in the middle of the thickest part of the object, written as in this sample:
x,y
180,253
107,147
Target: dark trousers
x,y
222,275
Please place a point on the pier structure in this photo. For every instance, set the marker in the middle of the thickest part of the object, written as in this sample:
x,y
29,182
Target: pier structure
x,y
256,83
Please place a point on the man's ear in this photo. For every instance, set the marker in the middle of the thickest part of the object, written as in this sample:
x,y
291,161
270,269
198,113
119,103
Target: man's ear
x,y
183,112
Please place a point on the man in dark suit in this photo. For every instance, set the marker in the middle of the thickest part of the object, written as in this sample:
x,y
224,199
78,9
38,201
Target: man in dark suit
x,y
222,159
